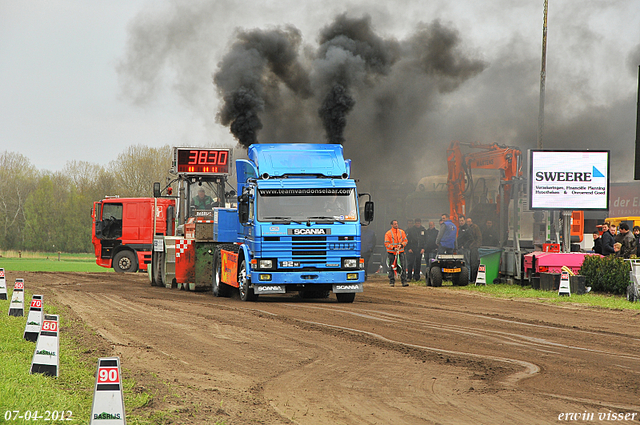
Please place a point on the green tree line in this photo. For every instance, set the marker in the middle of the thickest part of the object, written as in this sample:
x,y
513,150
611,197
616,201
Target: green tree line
x,y
51,211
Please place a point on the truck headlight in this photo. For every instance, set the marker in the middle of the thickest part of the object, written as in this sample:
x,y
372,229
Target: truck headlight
x,y
265,264
350,263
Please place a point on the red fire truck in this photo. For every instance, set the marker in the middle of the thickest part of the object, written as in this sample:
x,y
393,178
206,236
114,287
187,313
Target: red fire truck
x,y
123,230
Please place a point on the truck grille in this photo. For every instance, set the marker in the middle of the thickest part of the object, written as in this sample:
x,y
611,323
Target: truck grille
x,y
312,249
312,252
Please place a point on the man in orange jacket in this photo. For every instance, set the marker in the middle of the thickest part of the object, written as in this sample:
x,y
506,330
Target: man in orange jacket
x,y
394,241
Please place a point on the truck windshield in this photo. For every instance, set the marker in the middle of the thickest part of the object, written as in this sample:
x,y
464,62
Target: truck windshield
x,y
324,204
205,195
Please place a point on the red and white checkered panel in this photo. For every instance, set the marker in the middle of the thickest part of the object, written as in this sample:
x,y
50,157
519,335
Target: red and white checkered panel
x,y
182,245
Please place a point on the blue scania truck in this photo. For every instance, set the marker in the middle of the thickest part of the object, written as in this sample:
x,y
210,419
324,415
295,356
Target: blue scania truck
x,y
296,228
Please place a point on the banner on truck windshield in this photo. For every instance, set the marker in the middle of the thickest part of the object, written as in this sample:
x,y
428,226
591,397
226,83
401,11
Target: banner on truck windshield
x,y
322,191
569,180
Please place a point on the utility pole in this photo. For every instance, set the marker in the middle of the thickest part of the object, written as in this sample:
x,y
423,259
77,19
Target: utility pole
x,y
543,77
543,74
636,175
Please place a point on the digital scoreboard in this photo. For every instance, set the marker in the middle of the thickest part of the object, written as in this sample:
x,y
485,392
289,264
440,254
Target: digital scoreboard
x,y
202,161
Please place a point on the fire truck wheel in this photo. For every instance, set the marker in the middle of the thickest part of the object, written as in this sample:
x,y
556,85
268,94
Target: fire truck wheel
x,y
346,298
218,288
125,261
436,276
246,293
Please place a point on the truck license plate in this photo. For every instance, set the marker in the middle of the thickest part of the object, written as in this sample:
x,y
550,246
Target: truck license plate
x,y
456,270
284,264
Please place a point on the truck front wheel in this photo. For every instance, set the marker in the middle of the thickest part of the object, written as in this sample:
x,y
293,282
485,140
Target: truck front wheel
x,y
125,261
246,293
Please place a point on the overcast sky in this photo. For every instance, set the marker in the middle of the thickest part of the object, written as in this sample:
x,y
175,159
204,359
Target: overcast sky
x,y
83,80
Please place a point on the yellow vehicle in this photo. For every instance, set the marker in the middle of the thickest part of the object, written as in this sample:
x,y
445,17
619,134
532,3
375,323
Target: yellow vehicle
x,y
631,221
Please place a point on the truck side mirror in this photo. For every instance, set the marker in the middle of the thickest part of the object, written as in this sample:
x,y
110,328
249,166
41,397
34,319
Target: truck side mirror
x,y
368,211
156,189
243,208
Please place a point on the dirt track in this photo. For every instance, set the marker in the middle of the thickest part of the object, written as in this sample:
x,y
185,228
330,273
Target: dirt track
x,y
397,355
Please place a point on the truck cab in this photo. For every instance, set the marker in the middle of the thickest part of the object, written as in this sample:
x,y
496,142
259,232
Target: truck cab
x,y
299,219
123,230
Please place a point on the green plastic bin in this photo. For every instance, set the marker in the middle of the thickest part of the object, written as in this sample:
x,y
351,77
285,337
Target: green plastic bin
x,y
490,257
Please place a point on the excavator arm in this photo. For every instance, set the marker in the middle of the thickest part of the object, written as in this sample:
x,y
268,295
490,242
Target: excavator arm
x,y
460,183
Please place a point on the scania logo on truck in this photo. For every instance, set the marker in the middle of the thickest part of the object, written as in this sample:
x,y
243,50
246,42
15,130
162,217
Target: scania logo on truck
x,y
309,231
347,287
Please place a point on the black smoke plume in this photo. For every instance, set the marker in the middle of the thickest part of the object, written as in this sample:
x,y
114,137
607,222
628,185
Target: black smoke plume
x,y
350,53
333,112
265,74
256,59
435,49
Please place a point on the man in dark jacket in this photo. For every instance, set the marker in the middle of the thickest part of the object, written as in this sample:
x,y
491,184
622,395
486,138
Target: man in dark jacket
x,y
475,242
417,236
490,235
607,240
628,241
597,243
431,247
462,243
446,240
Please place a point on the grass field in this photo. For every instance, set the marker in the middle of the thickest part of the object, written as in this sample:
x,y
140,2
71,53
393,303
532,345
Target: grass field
x,y
71,392
49,262
616,302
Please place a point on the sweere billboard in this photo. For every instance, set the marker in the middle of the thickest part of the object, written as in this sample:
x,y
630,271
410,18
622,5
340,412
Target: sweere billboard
x,y
568,180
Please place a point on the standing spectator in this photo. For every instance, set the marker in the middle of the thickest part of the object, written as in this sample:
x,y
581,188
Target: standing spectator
x,y
367,245
597,243
446,240
628,241
417,237
463,241
475,242
607,240
431,247
636,233
394,241
614,233
490,235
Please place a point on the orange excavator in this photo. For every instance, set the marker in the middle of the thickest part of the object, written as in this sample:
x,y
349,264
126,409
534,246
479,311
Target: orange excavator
x,y
460,182
465,193
469,197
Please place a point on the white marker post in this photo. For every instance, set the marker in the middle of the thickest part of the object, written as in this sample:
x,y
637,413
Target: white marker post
x,y
46,356
565,286
108,404
481,279
16,308
34,321
3,285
